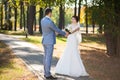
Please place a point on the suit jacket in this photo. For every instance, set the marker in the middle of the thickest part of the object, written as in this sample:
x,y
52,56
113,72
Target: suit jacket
x,y
48,30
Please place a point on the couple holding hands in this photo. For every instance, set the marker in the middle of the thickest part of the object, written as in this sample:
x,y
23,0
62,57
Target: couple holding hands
x,y
70,63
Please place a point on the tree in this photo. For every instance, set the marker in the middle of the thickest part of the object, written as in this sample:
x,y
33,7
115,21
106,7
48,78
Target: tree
x,y
61,23
15,25
75,9
24,17
109,16
6,14
21,13
31,18
93,15
40,17
112,26
9,16
32,11
79,9
6,8
1,15
35,21
86,16
61,16
15,13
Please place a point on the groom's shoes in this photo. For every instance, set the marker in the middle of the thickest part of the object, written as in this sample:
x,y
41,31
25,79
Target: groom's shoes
x,y
51,78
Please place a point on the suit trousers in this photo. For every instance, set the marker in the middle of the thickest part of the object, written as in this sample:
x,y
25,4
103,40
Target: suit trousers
x,y
48,50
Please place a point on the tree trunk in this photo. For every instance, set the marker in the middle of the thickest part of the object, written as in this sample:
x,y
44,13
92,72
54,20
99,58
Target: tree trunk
x,y
75,9
6,15
100,29
9,13
15,23
79,9
35,23
1,21
40,17
9,16
117,25
93,25
113,44
31,18
110,43
6,8
118,45
86,17
21,14
27,18
112,33
61,17
24,20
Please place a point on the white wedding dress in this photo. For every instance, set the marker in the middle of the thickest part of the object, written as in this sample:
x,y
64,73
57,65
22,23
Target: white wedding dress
x,y
70,62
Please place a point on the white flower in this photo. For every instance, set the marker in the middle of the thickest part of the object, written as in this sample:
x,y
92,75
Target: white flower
x,y
69,28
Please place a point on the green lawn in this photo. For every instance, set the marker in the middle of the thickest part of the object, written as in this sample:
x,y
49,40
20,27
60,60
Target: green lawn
x,y
12,32
36,38
86,39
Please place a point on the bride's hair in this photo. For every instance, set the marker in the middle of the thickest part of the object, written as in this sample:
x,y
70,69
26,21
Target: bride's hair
x,y
76,18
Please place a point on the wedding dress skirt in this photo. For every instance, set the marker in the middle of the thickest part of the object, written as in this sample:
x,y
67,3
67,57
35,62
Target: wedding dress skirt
x,y
70,62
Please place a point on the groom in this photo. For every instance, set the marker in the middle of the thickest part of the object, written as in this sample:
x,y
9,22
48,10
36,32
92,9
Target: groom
x,y
49,39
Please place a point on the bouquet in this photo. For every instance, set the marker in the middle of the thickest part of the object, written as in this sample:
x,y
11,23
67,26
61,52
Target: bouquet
x,y
68,29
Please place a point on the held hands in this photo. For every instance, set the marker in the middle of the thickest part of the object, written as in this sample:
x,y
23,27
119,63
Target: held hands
x,y
67,34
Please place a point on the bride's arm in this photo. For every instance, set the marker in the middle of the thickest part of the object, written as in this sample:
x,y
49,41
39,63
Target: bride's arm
x,y
77,29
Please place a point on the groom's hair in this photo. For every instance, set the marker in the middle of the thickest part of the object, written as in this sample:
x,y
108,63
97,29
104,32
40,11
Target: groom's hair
x,y
47,11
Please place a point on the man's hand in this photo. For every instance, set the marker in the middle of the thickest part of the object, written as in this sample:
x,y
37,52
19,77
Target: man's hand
x,y
56,33
66,34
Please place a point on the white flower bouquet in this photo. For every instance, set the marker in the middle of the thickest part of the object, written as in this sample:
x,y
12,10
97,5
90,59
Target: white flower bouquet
x,y
68,29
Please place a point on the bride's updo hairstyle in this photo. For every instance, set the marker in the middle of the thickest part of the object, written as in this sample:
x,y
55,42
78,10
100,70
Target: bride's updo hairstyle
x,y
76,18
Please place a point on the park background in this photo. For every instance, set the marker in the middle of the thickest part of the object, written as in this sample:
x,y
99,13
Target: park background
x,y
100,27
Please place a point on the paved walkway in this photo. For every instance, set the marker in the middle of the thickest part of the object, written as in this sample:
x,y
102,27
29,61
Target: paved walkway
x,y
32,56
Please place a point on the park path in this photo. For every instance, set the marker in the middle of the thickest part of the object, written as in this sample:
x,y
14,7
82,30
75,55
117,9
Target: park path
x,y
32,56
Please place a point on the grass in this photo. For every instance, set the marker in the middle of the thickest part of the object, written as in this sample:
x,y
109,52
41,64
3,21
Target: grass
x,y
33,39
12,32
11,67
37,37
86,39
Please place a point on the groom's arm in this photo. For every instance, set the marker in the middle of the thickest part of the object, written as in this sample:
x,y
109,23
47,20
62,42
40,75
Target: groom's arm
x,y
56,29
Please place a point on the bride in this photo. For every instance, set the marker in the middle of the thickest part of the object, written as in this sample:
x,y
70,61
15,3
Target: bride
x,y
70,62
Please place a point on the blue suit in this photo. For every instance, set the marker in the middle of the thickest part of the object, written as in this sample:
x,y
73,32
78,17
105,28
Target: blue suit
x,y
48,41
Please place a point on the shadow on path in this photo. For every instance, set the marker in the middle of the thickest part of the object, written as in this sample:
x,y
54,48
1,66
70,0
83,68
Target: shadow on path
x,y
32,56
